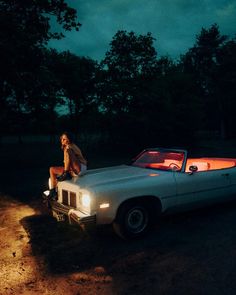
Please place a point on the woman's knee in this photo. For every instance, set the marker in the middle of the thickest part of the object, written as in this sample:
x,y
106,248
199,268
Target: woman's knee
x,y
52,170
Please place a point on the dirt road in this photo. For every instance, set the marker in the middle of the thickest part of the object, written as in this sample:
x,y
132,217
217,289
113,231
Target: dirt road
x,y
194,253
24,270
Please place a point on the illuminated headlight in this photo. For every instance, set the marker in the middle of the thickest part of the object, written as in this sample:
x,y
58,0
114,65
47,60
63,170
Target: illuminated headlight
x,y
85,199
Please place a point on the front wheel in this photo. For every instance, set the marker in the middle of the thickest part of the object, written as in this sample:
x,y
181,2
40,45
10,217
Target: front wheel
x,y
133,220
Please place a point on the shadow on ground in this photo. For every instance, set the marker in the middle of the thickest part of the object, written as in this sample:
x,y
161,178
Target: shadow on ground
x,y
202,235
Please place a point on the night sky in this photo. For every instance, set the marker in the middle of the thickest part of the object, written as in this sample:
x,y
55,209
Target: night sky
x,y
173,23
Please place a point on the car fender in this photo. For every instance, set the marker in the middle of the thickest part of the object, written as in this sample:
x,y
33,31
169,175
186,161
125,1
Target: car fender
x,y
109,214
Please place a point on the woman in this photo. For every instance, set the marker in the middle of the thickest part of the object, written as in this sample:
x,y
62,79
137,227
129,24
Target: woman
x,y
74,163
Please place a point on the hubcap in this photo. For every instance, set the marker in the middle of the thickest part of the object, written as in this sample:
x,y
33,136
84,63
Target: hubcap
x,y
137,220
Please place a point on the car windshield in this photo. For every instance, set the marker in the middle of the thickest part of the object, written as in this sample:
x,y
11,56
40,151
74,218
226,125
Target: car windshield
x,y
161,160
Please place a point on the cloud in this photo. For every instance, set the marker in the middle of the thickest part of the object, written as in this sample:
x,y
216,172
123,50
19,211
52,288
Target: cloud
x,y
174,23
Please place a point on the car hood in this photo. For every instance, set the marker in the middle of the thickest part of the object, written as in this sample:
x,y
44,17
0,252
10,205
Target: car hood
x,y
111,175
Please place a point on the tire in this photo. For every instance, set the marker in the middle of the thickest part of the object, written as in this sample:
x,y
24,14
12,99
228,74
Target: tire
x,y
133,220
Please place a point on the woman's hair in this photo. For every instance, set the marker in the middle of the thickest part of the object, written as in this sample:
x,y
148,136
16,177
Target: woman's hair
x,y
68,135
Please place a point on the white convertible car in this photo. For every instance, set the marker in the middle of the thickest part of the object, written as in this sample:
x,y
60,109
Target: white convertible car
x,y
132,197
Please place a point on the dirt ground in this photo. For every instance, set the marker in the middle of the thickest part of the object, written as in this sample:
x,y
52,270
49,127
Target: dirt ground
x,y
190,253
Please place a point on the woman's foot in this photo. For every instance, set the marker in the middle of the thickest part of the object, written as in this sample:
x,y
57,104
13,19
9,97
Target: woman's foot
x,y
52,194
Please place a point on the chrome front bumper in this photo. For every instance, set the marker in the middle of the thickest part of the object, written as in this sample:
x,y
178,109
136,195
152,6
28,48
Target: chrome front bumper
x,y
73,216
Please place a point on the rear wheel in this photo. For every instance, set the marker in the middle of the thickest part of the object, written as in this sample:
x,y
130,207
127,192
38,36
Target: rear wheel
x,y
133,220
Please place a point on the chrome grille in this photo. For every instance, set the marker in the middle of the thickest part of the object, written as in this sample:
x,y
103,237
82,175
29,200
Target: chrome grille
x,y
69,198
73,199
65,199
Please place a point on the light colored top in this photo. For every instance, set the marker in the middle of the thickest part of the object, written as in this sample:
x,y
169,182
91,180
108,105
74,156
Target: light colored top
x,y
77,152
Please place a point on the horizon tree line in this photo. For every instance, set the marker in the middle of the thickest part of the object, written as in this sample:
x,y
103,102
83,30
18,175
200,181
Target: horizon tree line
x,y
132,96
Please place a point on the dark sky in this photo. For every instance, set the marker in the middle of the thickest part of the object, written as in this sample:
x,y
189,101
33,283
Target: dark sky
x,y
173,23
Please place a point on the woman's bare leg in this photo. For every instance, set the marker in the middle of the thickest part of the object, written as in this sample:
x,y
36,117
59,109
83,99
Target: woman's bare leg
x,y
54,171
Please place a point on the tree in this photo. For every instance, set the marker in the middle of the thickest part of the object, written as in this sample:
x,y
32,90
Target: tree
x,y
129,58
167,108
77,79
130,61
225,80
24,32
202,62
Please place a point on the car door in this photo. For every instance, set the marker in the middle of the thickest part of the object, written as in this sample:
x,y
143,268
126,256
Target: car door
x,y
202,187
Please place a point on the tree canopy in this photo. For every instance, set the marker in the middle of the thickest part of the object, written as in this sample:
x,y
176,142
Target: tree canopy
x,y
25,29
132,97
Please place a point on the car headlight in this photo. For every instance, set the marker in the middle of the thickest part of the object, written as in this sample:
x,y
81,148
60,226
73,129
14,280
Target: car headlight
x,y
85,199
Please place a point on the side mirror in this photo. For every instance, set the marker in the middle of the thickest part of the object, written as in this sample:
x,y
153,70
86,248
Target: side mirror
x,y
193,168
